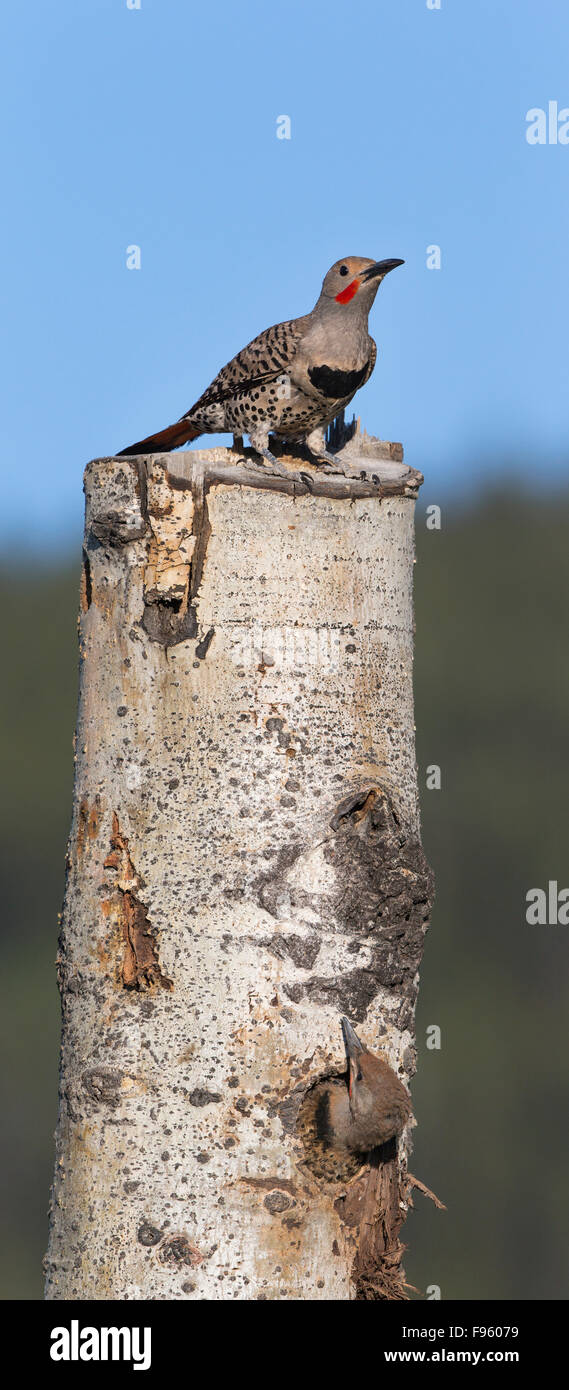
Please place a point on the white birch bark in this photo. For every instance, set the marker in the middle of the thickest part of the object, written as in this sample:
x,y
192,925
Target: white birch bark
x,y
244,866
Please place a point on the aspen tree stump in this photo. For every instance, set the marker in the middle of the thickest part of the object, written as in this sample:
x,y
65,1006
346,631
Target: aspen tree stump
x,y
244,866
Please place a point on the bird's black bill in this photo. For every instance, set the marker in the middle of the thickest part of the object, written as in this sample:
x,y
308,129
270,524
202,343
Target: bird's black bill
x,y
380,268
352,1043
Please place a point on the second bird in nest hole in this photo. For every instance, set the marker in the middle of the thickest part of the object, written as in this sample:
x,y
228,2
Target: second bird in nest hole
x,y
343,1118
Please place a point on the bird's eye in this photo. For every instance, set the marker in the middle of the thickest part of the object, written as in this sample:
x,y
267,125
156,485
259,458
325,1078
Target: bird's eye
x,y
359,1075
344,270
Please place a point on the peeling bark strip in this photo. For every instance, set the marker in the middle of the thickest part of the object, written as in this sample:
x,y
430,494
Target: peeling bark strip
x,y
180,529
246,765
140,967
88,827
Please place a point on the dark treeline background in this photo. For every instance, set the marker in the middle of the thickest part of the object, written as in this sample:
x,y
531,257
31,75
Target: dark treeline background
x,y
491,683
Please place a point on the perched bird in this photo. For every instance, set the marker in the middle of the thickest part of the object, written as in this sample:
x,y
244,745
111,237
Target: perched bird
x,y
293,379
343,1118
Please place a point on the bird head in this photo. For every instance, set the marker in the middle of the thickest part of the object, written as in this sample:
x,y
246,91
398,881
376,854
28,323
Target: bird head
x,y
355,280
379,1105
373,1108
359,1066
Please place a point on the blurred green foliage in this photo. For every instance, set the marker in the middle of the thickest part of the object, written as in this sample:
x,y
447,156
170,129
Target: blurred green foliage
x,y
37,720
491,688
491,683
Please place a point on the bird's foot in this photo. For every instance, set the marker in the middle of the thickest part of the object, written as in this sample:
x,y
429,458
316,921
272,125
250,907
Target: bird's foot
x,y
276,467
259,444
319,454
330,463
327,462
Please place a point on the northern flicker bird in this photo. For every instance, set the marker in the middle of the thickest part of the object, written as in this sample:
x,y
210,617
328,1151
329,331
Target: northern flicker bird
x,y
293,379
343,1118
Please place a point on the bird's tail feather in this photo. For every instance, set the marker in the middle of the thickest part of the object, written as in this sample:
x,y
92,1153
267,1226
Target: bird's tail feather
x,y
167,439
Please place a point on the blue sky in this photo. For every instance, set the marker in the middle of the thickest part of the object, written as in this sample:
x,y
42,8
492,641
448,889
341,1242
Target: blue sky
x,y
157,127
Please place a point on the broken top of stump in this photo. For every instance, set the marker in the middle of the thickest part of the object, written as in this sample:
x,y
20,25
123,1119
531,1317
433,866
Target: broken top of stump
x,y
367,467
132,499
